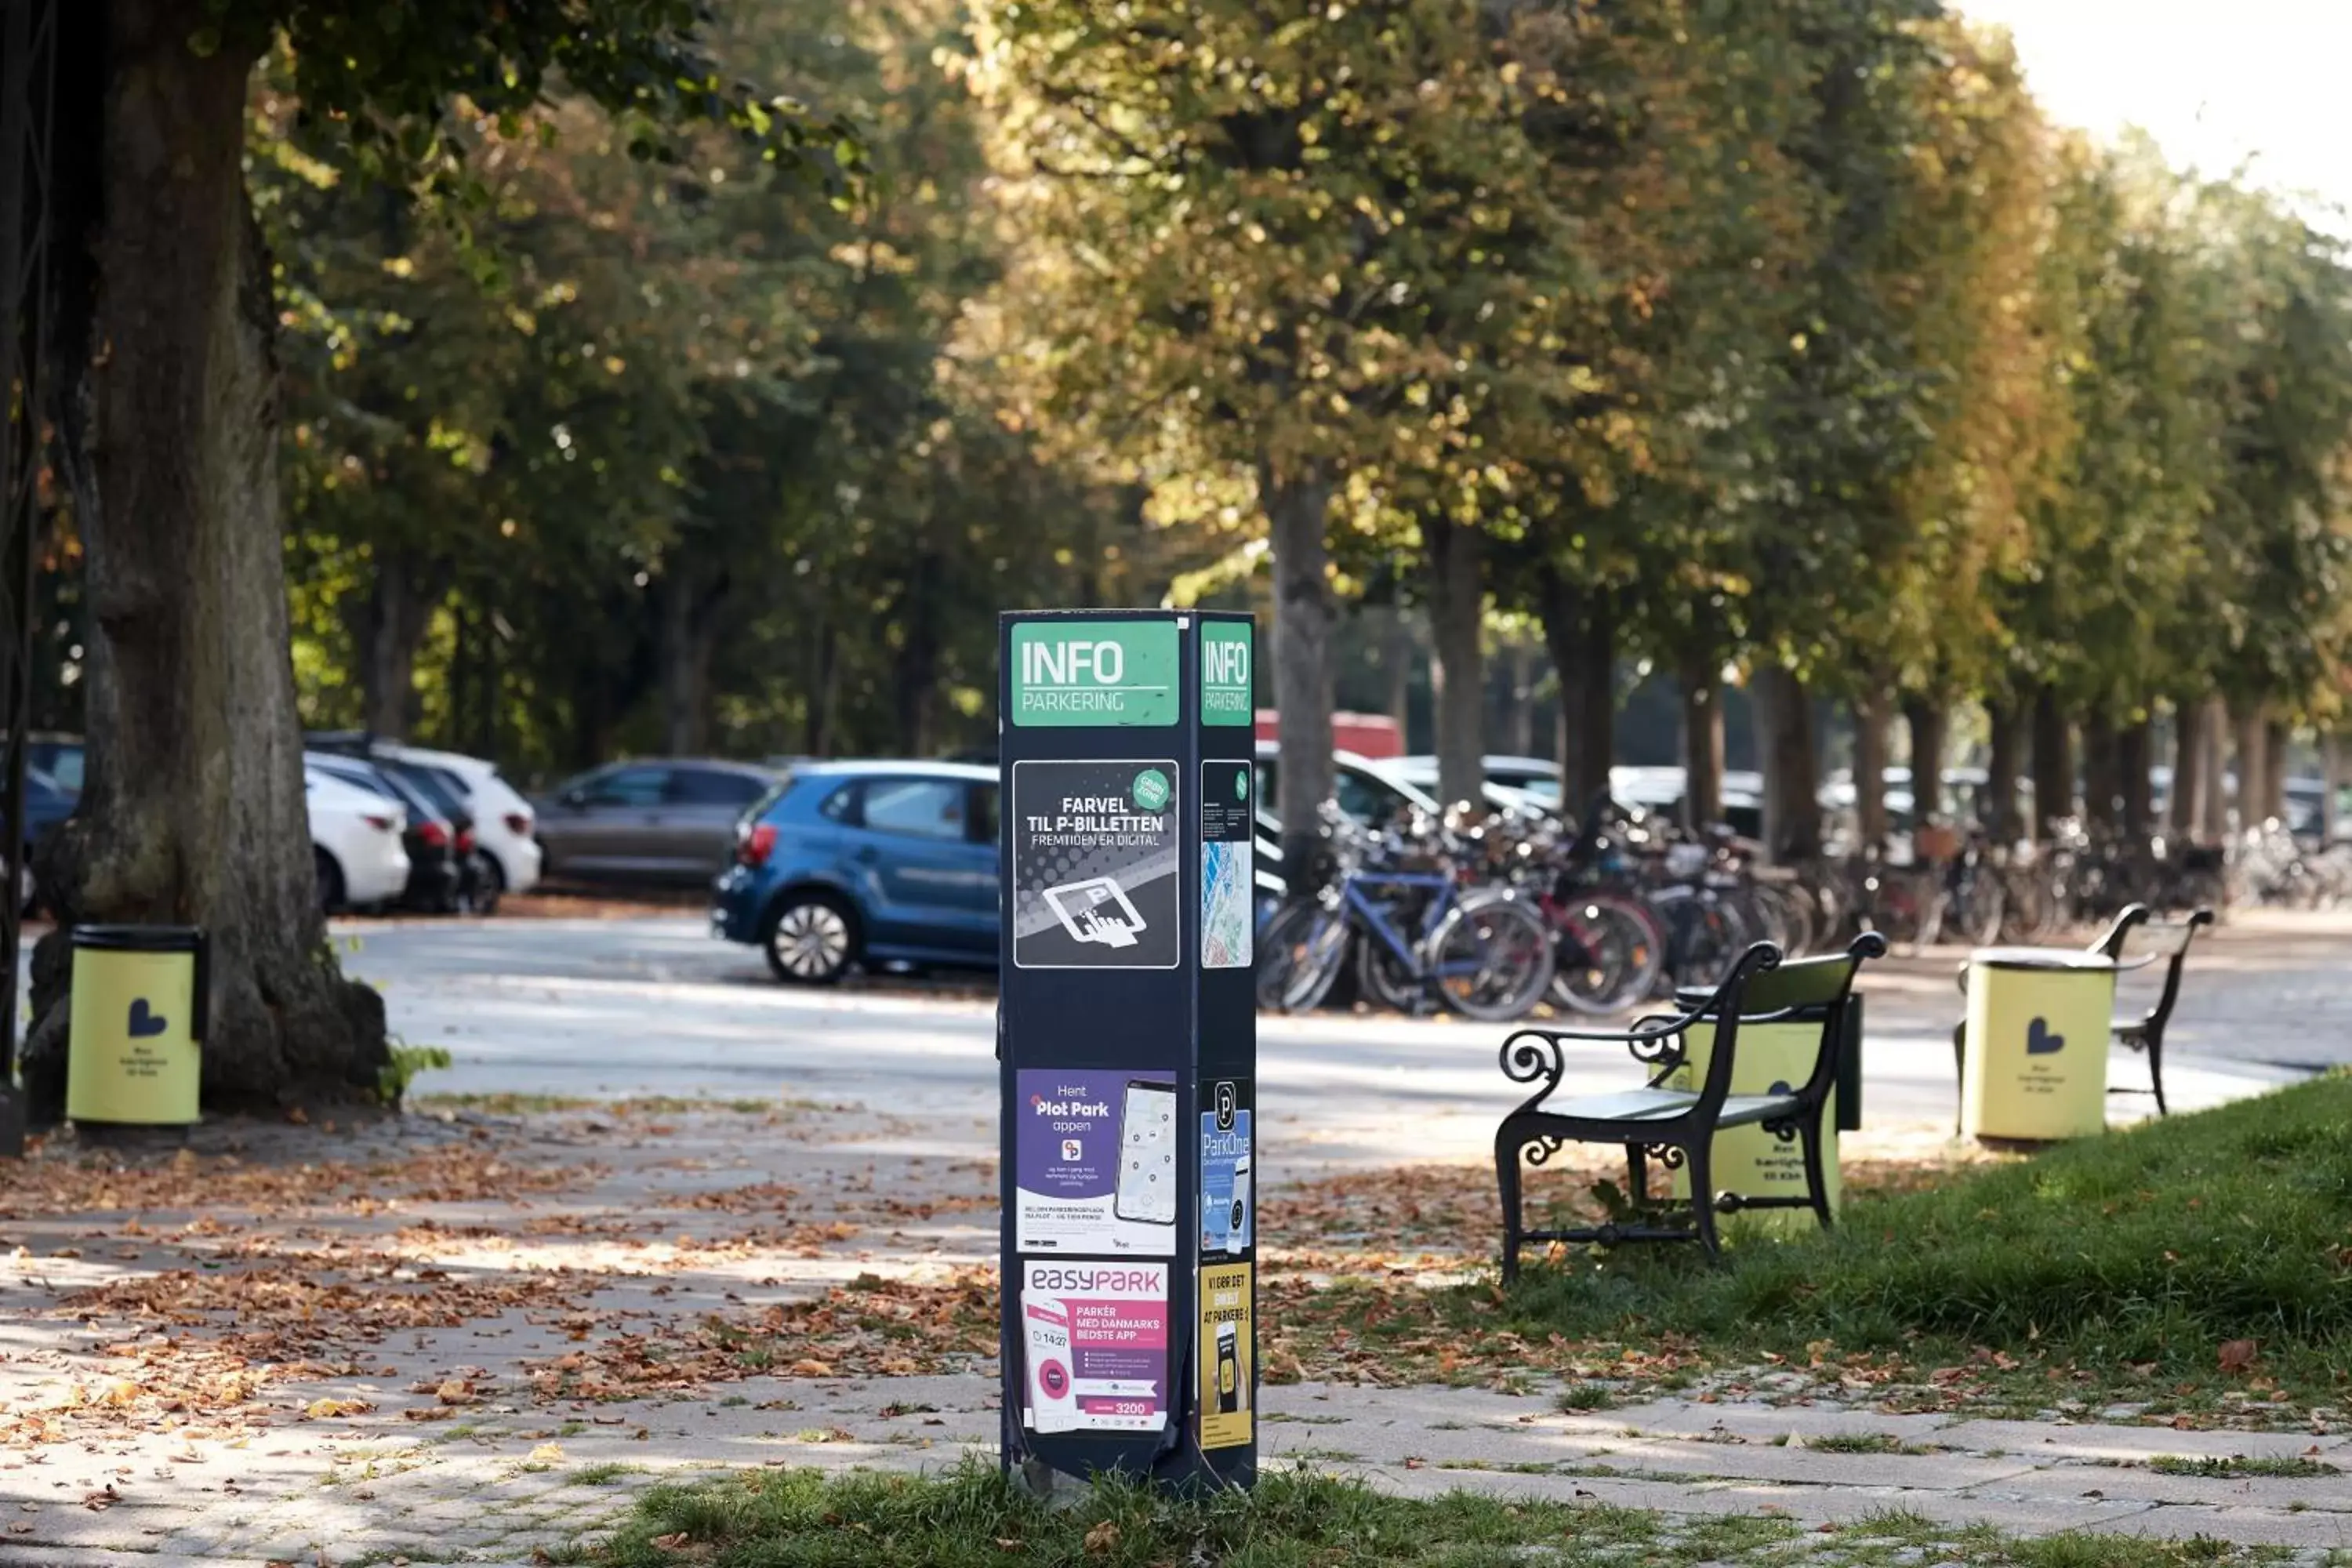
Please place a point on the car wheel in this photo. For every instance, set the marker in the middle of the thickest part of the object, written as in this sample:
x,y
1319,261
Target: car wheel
x,y
330,880
811,939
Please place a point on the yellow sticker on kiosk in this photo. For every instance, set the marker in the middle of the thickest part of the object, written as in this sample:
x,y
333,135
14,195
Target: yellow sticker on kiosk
x,y
1224,1355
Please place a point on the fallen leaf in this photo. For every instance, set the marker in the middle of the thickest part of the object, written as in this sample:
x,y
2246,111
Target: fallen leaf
x,y
2237,1355
1101,1539
327,1409
676,1540
454,1392
548,1453
808,1369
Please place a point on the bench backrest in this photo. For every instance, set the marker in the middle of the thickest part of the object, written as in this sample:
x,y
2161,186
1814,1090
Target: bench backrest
x,y
1812,991
2136,934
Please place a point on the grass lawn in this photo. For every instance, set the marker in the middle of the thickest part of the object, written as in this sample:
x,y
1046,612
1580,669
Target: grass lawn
x,y
2200,1264
970,1518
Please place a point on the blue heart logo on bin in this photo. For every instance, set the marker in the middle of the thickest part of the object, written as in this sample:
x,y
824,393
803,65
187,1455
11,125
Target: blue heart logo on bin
x,y
2040,1041
145,1023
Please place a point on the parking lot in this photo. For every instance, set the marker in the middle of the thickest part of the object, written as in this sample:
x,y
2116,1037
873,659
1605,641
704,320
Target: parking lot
x,y
651,1005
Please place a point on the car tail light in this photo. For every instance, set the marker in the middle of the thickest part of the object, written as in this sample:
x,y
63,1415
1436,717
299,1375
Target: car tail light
x,y
755,843
381,824
519,823
465,841
434,835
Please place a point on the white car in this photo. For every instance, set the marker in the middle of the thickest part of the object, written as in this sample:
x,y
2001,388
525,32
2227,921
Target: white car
x,y
356,841
504,827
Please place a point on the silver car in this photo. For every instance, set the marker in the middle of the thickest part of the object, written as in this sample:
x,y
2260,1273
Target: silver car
x,y
667,820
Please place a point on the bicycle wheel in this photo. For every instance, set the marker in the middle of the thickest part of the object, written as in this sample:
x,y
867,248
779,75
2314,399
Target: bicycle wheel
x,y
1303,949
1606,959
1491,958
1385,979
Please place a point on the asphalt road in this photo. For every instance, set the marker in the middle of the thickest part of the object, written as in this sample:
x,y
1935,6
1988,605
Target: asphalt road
x,y
656,1006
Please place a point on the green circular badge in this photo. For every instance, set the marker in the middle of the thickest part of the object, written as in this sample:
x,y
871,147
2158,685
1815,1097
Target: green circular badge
x,y
1150,789
1241,786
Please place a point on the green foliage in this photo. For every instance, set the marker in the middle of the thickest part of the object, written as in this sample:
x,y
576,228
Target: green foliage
x,y
407,1062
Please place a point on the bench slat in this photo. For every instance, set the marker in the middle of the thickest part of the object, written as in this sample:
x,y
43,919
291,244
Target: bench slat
x,y
1664,1104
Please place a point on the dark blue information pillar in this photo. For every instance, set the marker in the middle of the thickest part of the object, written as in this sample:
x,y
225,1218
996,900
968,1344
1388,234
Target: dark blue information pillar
x,y
1128,1031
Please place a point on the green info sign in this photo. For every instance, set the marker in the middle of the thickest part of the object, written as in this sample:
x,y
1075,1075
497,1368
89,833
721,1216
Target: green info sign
x,y
1070,674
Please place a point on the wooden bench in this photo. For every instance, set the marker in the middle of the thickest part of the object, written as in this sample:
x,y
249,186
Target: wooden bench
x,y
1677,1128
2136,937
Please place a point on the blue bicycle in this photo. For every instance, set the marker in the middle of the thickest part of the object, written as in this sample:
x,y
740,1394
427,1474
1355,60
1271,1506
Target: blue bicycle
x,y
1419,939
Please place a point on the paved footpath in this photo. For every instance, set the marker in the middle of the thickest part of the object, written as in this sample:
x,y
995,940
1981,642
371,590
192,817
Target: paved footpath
x,y
477,1335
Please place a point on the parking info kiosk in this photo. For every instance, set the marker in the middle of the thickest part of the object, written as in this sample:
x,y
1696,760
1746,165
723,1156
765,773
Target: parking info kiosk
x,y
1127,1029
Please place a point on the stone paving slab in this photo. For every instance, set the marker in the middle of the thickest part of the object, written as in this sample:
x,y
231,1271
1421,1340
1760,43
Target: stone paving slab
x,y
2066,1441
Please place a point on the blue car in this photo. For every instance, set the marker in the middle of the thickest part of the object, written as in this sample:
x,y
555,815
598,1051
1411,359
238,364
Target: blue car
x,y
849,863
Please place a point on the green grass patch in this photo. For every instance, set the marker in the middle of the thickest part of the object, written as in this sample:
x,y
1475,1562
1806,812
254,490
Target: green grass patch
x,y
2196,1258
2288,1467
970,1516
1862,1443
604,1474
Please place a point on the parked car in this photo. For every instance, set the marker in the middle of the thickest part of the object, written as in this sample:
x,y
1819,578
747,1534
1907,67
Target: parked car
x,y
1359,786
478,882
667,820
60,758
865,862
46,804
355,842
505,826
435,875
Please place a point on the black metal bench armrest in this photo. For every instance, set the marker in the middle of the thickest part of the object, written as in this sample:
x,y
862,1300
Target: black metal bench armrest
x,y
1529,1055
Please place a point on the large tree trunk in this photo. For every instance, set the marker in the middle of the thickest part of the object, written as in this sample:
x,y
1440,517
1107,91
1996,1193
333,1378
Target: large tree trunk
x,y
1523,701
1871,717
2331,774
689,636
2252,751
2273,796
1702,737
1297,509
2003,822
1457,613
2135,809
193,810
1793,809
391,625
2215,823
2186,810
1581,630
1398,653
2054,765
1930,723
2100,774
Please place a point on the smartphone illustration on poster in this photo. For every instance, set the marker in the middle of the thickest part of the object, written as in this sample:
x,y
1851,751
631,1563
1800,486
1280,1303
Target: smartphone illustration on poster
x,y
1232,1397
1147,1154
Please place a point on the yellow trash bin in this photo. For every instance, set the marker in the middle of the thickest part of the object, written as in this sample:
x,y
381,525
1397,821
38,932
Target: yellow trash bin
x,y
1773,1059
2034,1057
134,1051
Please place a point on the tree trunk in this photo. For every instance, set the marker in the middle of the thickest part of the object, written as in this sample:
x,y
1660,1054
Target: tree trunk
x,y
193,809
2331,774
1523,701
2100,774
2215,724
1297,510
1792,810
689,636
1399,655
1930,723
1870,722
1581,630
2273,796
2135,809
2003,822
391,625
1702,741
1457,613
2252,749
2188,805
2054,765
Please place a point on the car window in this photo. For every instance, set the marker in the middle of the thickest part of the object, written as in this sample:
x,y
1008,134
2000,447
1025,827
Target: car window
x,y
841,805
424,782
917,808
984,811
627,786
713,786
63,764
1363,799
361,774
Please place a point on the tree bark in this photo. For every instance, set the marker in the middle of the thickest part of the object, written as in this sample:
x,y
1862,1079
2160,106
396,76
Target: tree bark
x,y
1457,613
2188,805
2003,822
1523,701
689,636
1399,655
1792,811
2054,765
2100,775
1297,509
1581,630
2216,726
1930,723
2252,753
391,625
193,808
1702,741
2331,774
1870,722
2135,808
2273,796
